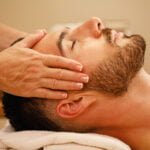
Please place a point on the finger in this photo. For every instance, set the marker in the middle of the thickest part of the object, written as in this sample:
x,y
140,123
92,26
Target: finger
x,y
60,85
49,94
62,74
61,62
31,40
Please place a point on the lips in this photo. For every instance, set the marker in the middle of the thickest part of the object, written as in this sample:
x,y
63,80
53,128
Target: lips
x,y
115,36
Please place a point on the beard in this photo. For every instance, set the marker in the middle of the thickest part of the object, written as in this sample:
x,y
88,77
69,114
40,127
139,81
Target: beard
x,y
113,75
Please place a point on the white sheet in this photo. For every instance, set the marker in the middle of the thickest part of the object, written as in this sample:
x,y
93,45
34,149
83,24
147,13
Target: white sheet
x,y
31,140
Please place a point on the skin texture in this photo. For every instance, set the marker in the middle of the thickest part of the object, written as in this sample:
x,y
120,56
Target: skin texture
x,y
9,35
88,40
123,116
32,71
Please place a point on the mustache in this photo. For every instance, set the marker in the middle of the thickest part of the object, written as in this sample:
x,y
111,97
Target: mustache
x,y
107,34
136,39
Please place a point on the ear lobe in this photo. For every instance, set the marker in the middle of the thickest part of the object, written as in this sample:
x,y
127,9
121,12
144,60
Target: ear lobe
x,y
72,109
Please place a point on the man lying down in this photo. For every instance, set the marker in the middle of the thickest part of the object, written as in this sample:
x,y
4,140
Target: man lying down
x,y
115,102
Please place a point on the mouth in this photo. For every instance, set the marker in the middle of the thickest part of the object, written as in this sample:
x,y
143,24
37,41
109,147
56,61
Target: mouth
x,y
116,36
112,36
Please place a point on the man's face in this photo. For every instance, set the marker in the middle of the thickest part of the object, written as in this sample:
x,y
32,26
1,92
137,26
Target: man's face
x,y
110,58
94,45
90,43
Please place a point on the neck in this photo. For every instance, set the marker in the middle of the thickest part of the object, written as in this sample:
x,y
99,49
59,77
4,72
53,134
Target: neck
x,y
132,125
137,139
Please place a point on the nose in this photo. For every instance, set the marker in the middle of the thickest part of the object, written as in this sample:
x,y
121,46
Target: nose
x,y
92,27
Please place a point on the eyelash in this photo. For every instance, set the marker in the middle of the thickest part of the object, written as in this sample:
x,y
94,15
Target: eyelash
x,y
73,44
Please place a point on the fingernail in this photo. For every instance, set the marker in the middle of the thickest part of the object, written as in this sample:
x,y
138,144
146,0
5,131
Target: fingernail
x,y
85,79
79,85
41,31
79,67
64,95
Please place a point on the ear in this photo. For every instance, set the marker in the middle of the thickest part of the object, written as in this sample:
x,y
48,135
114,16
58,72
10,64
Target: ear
x,y
73,108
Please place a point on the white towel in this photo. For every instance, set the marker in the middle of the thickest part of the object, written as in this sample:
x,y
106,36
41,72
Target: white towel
x,y
33,140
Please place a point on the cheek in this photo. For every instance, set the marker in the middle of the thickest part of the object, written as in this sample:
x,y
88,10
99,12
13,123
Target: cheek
x,y
89,59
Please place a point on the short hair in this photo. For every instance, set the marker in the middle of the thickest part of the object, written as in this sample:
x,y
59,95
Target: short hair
x,y
26,113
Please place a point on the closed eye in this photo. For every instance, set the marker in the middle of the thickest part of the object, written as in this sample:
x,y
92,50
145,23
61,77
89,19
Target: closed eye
x,y
73,44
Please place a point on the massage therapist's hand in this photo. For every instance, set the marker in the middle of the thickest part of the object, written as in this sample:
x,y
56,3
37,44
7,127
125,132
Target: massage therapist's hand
x,y
27,73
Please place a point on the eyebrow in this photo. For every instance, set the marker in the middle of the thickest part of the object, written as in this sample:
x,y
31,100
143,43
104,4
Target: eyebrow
x,y
59,41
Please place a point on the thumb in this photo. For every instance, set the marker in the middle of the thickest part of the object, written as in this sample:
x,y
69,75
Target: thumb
x,y
32,39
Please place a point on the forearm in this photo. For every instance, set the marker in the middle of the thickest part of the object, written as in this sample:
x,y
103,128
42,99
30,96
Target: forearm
x,y
8,35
